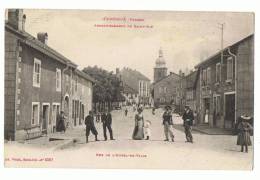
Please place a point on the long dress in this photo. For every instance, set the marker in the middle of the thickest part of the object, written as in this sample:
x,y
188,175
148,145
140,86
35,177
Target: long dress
x,y
243,137
138,133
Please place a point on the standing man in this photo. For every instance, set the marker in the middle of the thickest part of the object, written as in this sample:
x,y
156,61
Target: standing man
x,y
168,124
106,119
126,111
90,126
188,118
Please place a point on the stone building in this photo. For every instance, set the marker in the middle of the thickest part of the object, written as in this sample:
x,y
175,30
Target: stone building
x,y
164,86
226,85
34,82
165,90
138,82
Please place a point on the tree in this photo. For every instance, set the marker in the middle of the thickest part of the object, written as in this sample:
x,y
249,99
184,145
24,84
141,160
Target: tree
x,y
107,89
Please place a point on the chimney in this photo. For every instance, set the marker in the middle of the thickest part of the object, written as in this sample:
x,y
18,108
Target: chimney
x,y
43,37
16,19
180,72
117,71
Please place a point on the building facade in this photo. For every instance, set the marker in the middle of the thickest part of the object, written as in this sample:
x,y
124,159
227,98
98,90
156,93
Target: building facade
x,y
139,83
165,90
34,81
227,85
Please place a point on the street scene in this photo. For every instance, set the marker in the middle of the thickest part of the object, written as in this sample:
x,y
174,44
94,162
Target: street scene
x,y
207,151
137,89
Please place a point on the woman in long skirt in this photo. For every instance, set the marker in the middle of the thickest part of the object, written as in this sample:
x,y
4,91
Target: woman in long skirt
x,y
138,133
243,138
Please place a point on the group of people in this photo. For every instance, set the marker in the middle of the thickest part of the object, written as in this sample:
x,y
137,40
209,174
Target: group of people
x,y
142,128
106,119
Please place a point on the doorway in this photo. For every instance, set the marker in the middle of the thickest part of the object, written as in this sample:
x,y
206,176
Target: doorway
x,y
45,117
55,113
229,110
206,110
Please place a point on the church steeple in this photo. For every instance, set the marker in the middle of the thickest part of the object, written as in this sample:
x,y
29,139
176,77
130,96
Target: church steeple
x,y
160,62
160,70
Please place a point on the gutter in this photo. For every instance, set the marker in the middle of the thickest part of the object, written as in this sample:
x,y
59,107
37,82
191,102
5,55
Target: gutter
x,y
62,84
235,59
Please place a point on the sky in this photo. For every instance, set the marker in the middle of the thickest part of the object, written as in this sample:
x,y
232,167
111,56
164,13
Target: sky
x,y
186,38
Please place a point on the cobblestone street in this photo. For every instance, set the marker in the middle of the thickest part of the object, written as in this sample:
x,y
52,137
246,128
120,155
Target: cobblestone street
x,y
208,151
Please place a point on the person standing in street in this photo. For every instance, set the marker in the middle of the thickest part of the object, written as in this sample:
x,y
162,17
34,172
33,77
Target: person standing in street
x,y
138,133
188,118
61,122
153,111
244,128
168,124
90,126
106,119
126,111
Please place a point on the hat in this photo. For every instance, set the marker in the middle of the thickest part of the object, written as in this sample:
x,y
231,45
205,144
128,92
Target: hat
x,y
139,109
168,107
245,117
148,121
186,106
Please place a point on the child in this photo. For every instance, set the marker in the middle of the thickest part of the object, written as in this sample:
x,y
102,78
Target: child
x,y
147,130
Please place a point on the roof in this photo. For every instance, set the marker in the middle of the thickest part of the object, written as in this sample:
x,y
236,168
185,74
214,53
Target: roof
x,y
136,73
219,52
128,89
85,75
33,42
171,73
191,79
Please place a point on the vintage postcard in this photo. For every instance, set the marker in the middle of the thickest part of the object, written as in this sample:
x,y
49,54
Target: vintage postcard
x,y
129,89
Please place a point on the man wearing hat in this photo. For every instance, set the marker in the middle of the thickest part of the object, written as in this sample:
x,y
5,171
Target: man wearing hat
x,y
244,128
168,124
188,118
90,126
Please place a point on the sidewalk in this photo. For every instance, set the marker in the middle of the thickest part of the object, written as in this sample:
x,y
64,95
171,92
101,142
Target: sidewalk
x,y
206,130
57,140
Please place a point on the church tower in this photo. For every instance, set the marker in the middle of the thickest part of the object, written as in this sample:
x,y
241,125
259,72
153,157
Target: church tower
x,y
160,70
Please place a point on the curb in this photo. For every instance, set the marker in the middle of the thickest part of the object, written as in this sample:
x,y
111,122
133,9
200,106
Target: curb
x,y
203,132
66,144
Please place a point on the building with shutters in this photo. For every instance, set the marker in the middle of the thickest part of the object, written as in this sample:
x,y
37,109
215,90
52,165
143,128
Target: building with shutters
x,y
226,85
39,83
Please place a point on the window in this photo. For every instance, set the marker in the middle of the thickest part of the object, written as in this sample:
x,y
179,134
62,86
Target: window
x,y
58,79
160,90
218,72
229,68
204,77
35,113
165,89
208,75
76,84
37,73
162,99
140,88
216,103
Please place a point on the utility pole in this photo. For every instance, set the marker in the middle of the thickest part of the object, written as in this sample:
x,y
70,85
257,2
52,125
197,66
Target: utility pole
x,y
222,64
222,42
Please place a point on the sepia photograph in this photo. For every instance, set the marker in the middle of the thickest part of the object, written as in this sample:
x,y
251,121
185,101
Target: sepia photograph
x,y
129,89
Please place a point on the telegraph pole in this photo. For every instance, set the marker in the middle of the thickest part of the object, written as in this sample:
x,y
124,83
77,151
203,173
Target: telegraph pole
x,y
222,41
